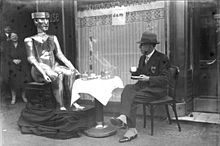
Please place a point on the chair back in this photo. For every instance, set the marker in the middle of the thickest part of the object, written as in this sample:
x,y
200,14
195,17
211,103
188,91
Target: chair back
x,y
173,77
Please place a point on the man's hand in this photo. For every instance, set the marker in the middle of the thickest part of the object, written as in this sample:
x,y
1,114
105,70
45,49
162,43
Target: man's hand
x,y
143,78
75,71
47,78
17,61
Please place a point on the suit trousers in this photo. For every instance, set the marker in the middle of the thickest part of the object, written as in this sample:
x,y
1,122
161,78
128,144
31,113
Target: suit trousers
x,y
129,98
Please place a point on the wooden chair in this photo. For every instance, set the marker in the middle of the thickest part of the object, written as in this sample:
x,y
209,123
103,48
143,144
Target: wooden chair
x,y
40,94
168,100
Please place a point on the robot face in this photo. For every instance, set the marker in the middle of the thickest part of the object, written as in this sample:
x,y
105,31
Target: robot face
x,y
43,23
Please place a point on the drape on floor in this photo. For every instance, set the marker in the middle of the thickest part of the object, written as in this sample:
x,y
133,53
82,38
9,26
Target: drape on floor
x,y
49,122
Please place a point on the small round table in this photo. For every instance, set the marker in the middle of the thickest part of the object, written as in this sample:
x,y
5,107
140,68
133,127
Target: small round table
x,y
101,90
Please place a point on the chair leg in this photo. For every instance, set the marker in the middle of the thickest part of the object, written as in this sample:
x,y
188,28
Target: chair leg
x,y
144,114
168,114
177,121
152,118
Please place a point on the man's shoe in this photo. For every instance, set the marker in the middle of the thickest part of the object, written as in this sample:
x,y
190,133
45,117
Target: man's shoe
x,y
127,139
80,108
116,122
77,107
62,108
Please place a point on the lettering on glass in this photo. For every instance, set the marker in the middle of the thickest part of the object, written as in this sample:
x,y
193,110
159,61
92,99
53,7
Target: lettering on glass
x,y
119,16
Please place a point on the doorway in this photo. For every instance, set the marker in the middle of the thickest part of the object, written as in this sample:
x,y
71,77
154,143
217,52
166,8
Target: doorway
x,y
204,48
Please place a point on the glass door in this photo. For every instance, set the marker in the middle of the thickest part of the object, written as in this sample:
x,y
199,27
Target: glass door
x,y
205,57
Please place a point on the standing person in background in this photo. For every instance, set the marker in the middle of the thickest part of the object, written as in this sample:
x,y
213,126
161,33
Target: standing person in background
x,y
4,68
5,36
42,49
16,62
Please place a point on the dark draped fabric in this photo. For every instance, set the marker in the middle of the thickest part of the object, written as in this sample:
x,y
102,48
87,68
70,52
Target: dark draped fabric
x,y
55,124
42,118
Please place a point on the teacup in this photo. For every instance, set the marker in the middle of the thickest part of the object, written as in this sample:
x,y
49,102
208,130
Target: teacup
x,y
92,75
133,69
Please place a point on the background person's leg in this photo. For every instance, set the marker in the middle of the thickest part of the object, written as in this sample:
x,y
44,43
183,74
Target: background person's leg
x,y
23,95
13,96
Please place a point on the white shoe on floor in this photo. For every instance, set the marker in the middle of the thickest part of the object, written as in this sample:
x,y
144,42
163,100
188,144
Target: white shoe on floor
x,y
62,108
78,107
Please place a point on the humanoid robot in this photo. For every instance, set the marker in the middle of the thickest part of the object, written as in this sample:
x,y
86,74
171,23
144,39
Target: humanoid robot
x,y
42,49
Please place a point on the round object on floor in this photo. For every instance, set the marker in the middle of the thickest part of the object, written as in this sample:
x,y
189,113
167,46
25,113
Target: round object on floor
x,y
100,131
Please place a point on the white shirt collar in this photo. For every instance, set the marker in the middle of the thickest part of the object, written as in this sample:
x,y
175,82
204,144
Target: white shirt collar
x,y
15,44
149,55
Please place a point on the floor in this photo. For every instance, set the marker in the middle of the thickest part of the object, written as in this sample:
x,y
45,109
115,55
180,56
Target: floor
x,y
192,134
212,118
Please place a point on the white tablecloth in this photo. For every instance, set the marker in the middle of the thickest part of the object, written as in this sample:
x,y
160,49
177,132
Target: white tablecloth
x,y
101,89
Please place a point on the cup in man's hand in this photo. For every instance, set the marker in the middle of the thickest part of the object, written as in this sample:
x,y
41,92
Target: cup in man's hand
x,y
133,69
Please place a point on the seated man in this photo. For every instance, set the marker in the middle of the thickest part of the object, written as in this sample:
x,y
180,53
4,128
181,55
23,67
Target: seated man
x,y
152,76
41,52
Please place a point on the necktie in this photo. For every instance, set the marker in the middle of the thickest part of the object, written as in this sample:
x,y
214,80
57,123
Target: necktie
x,y
146,59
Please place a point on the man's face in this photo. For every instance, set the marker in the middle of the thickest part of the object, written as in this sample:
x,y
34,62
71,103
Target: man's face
x,y
43,23
14,37
146,48
7,29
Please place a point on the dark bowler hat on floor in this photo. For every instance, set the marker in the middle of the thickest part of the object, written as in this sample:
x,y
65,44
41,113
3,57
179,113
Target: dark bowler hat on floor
x,y
37,15
148,38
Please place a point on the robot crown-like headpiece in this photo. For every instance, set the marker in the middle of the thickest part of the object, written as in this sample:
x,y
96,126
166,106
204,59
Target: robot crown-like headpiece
x,y
37,15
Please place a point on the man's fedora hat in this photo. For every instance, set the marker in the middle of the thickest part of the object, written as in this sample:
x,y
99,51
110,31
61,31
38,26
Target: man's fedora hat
x,y
37,15
148,38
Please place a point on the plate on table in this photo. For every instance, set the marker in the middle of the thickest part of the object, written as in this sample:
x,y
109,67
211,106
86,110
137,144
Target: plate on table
x,y
107,77
136,77
92,77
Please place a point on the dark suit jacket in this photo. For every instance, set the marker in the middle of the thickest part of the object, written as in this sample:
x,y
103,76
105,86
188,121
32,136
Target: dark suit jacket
x,y
157,69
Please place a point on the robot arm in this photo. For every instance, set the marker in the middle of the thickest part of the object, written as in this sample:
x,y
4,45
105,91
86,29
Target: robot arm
x,y
61,56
